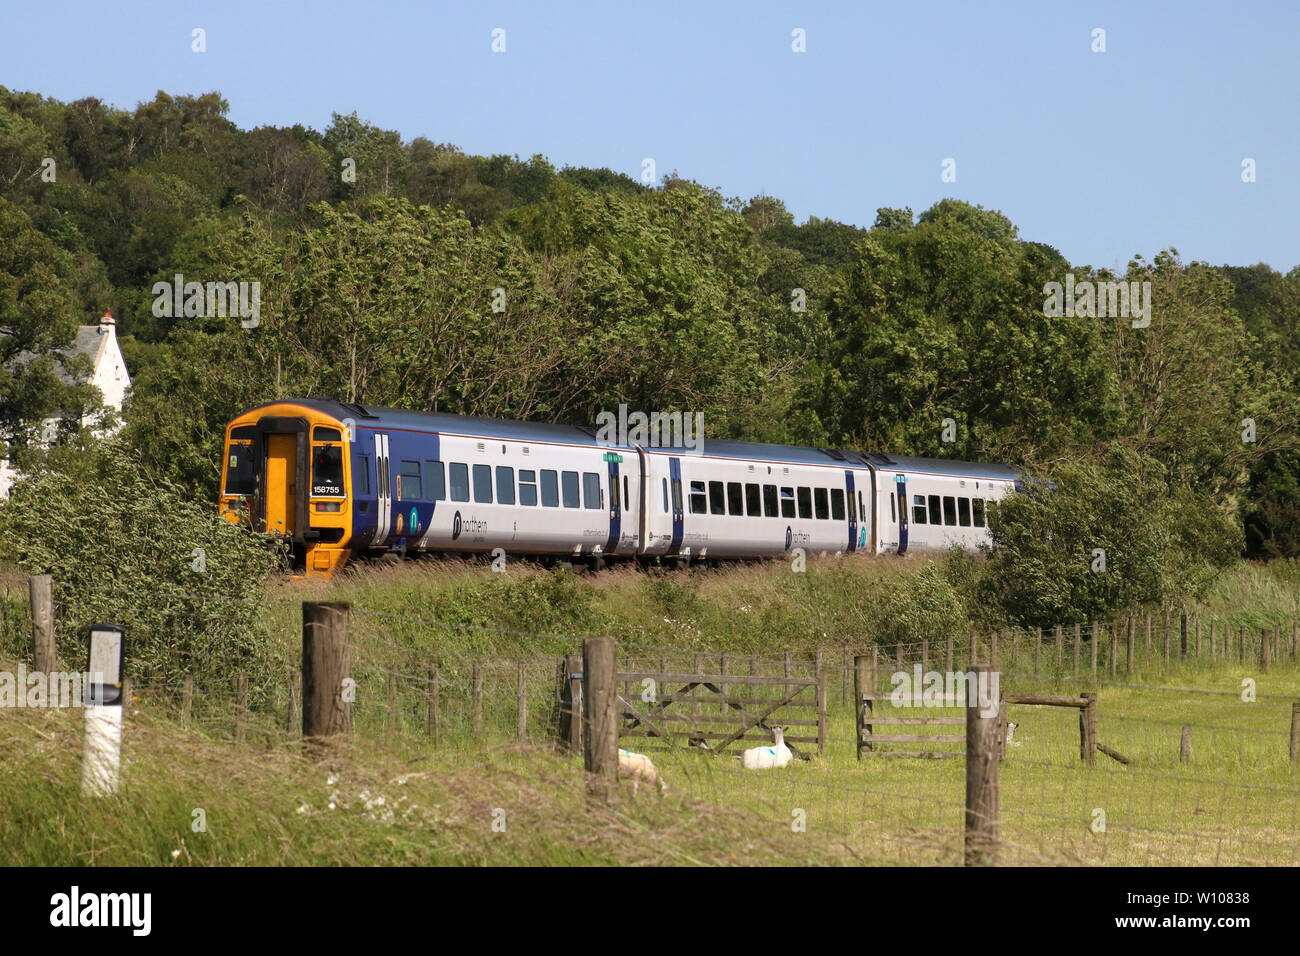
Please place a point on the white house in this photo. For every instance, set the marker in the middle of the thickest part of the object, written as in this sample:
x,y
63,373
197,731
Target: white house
x,y
108,374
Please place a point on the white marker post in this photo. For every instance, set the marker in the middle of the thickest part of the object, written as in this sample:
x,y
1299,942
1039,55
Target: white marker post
x,y
102,753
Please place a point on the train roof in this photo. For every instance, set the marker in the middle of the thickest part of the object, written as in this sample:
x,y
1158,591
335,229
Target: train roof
x,y
368,416
945,466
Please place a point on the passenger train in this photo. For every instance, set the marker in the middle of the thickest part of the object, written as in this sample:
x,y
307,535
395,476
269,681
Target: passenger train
x,y
337,481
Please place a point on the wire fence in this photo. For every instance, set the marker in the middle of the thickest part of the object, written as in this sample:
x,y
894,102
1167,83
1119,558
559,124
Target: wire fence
x,y
1191,764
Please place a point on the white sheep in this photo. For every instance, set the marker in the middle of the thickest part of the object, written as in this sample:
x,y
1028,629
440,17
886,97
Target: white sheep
x,y
639,767
761,758
1011,733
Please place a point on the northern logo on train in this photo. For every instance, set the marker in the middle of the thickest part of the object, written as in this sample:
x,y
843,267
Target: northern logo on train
x,y
455,527
789,537
415,520
862,537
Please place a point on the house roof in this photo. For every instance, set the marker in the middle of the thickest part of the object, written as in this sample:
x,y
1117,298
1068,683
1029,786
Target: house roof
x,y
90,341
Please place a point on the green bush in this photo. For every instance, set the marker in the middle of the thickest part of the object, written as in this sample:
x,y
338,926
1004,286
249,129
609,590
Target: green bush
x,y
1105,535
188,586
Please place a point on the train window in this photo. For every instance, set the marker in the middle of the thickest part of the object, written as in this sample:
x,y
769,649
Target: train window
x,y
459,475
963,512
837,504
977,511
753,501
991,513
805,502
613,494
569,489
327,470
699,505
787,502
853,508
435,481
918,509
821,504
665,496
893,515
505,485
321,433
239,470
483,484
735,499
949,509
408,481
861,509
626,497
591,490
527,487
550,489
770,509
677,496
360,475
716,505
936,516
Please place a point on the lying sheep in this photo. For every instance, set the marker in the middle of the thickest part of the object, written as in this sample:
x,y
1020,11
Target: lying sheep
x,y
638,767
761,758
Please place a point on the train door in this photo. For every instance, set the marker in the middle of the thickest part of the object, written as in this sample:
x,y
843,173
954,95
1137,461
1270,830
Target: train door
x,y
281,483
853,510
615,509
675,487
900,486
383,491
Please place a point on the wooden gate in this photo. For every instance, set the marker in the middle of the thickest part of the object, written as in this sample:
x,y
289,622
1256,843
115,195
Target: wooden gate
x,y
914,744
704,709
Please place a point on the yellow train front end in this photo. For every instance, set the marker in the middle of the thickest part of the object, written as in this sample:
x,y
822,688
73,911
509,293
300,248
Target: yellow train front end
x,y
286,473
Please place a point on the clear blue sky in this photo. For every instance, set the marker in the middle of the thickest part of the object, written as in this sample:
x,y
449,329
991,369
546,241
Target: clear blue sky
x,y
1099,154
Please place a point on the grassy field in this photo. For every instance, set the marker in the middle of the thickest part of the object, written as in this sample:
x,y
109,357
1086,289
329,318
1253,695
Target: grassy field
x,y
401,795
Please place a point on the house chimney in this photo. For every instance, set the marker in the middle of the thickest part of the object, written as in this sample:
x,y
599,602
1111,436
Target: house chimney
x,y
106,324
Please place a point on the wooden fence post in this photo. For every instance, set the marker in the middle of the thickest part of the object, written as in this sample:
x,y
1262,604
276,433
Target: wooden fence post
x,y
1114,657
925,657
1038,646
1295,732
1131,636
861,707
947,657
982,749
431,719
1060,650
1093,643
875,670
821,709
326,664
1241,645
187,702
241,707
1265,649
521,702
294,716
573,673
993,650
1088,729
1185,744
1182,630
600,703
40,590
1078,637
785,660
844,684
1212,623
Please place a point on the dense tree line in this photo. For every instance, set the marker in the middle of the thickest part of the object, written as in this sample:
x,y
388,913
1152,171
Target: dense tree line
x,y
410,273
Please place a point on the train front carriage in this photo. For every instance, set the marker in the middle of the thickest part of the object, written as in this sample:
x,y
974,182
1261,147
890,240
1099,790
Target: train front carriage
x,y
287,473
